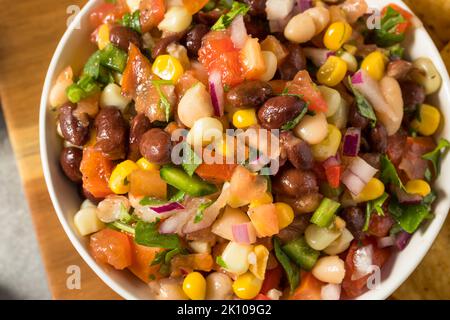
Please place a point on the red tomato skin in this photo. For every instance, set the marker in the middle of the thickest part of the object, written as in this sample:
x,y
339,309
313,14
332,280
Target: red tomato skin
x,y
261,297
111,247
333,175
304,86
354,288
152,13
107,13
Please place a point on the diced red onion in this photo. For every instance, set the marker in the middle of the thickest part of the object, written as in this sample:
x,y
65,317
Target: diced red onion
x,y
402,240
172,206
175,223
242,233
357,78
357,175
318,56
238,32
331,292
352,142
362,261
386,242
406,198
217,93
304,5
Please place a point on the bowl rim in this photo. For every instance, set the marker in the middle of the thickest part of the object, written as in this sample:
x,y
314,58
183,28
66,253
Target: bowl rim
x,y
387,288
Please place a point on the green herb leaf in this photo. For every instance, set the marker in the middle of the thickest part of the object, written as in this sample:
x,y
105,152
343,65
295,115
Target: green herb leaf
x,y
124,216
113,58
388,35
163,101
396,51
132,20
374,205
191,160
291,124
429,199
409,217
159,258
364,106
389,173
435,155
178,197
428,175
200,210
122,227
225,20
149,201
290,268
147,234
220,262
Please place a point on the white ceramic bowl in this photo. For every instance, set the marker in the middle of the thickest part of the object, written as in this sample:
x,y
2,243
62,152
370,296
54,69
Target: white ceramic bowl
x,y
74,48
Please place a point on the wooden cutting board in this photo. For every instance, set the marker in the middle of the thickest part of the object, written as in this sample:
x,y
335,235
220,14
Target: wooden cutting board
x,y
30,31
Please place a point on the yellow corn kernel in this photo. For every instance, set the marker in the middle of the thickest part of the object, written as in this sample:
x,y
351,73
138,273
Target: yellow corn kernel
x,y
146,165
350,49
194,286
336,35
103,36
244,118
428,121
262,256
332,72
419,187
266,199
247,286
285,214
373,190
328,147
118,182
168,68
375,64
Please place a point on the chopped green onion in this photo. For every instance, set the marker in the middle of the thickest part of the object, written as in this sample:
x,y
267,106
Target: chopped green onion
x,y
324,214
113,58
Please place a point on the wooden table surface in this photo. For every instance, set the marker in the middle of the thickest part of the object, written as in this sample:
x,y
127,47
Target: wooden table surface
x,y
29,33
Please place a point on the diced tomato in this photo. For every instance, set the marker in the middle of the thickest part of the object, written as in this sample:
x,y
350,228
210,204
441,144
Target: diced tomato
x,y
412,163
183,264
96,170
304,86
261,297
194,6
309,289
379,226
272,279
354,288
333,174
278,86
319,171
112,247
217,173
142,258
107,13
219,54
265,220
140,186
152,13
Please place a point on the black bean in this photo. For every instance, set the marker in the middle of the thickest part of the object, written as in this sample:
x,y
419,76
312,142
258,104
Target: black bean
x,y
194,38
378,138
277,111
249,94
156,146
294,182
111,133
355,219
138,126
122,37
70,161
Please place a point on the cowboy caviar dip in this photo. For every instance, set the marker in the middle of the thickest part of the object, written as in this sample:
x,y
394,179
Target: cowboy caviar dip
x,y
356,154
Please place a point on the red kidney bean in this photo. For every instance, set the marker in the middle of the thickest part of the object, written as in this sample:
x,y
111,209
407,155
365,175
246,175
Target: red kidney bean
x,y
257,7
295,229
413,96
356,119
295,61
256,27
355,219
302,204
122,37
249,94
297,151
73,129
277,111
156,146
378,138
139,125
70,161
194,38
111,133
161,46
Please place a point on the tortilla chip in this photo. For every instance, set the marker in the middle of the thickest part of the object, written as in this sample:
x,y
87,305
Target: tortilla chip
x,y
445,53
435,16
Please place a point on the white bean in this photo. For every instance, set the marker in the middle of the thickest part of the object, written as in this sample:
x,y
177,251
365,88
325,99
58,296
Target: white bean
x,y
320,238
167,289
271,63
333,99
392,93
111,209
176,19
218,286
87,222
279,9
330,269
87,204
180,52
194,105
352,63
320,16
340,244
312,129
200,246
300,29
340,118
427,75
204,131
112,97
58,94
